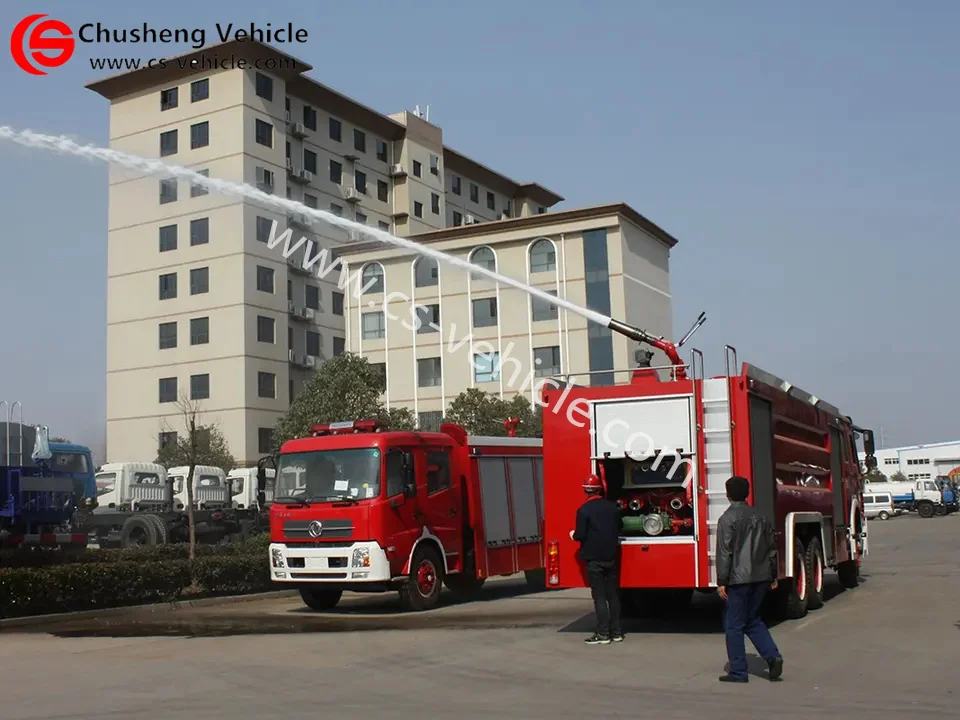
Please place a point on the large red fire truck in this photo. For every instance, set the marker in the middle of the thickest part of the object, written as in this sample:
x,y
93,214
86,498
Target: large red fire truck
x,y
358,507
664,448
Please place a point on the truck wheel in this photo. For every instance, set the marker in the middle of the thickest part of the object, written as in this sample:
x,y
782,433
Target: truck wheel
x,y
925,510
941,510
161,527
798,588
422,589
815,574
137,530
849,574
884,515
536,579
320,598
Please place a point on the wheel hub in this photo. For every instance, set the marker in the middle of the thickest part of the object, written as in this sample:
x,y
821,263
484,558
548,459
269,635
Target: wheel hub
x,y
426,578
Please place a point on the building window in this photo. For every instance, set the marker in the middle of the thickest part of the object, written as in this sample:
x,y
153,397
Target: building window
x,y
168,335
339,345
359,140
383,191
338,303
310,161
312,297
266,385
196,190
486,367
418,209
199,90
381,150
541,309
264,133
336,130
385,226
264,441
200,231
313,343
483,257
491,201
200,387
543,256
336,209
199,281
200,331
168,238
266,329
474,193
168,286
373,325
485,312
265,278
199,135
455,184
169,98
372,274
457,218
430,421
426,272
417,169
264,226
168,143
311,201
264,86
597,275
336,172
360,182
168,390
434,165
428,319
546,361
166,439
265,179
428,372
434,203
506,208
309,118
541,210
168,191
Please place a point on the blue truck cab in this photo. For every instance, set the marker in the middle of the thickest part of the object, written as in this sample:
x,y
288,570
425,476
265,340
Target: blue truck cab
x,y
951,498
77,462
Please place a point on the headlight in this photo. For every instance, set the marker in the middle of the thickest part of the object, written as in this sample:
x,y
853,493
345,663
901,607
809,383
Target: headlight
x,y
277,556
361,558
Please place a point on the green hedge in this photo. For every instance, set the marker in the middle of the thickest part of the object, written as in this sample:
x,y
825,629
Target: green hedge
x,y
40,582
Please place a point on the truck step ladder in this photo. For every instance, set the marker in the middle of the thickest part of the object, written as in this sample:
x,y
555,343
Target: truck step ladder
x,y
718,441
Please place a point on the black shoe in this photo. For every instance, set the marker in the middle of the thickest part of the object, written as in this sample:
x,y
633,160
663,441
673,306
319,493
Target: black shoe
x,y
597,639
617,637
733,678
776,668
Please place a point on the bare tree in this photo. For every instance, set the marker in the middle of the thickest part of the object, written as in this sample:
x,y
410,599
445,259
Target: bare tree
x,y
203,445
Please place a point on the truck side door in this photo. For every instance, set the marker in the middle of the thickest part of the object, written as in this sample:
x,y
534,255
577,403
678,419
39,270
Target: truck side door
x,y
402,522
440,502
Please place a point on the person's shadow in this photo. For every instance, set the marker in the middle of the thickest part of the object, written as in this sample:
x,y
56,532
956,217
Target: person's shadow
x,y
756,666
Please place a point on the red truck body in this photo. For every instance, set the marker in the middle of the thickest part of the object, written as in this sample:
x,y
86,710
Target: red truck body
x,y
358,508
664,450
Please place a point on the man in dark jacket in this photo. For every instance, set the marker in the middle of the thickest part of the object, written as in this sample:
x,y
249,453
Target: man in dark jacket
x,y
746,567
598,532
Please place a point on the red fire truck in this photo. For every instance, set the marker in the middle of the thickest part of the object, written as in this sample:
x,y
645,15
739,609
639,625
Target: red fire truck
x,y
358,507
664,448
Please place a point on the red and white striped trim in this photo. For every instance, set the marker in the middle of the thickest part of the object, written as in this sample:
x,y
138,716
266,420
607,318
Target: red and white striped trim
x,y
50,539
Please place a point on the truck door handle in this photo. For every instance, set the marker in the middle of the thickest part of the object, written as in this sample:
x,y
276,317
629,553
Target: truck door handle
x,y
453,511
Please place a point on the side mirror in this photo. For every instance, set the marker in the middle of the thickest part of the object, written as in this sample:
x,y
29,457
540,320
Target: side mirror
x,y
261,479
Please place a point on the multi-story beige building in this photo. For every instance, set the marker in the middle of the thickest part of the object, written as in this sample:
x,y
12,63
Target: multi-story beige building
x,y
197,304
438,329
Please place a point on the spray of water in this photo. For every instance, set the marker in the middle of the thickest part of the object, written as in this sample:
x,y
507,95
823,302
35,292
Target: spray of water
x,y
64,145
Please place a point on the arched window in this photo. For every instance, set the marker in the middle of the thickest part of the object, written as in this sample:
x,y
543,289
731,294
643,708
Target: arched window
x,y
425,272
484,257
372,272
543,256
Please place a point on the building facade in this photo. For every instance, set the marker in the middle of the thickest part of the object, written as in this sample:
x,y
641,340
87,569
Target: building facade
x,y
921,462
437,329
198,306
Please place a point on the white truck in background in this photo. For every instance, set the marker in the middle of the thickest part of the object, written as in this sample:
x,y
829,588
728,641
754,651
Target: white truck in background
x,y
923,496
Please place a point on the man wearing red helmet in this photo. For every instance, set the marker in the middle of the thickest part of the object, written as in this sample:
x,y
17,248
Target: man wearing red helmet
x,y
598,532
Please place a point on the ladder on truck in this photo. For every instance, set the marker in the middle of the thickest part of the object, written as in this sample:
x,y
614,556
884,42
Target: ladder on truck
x,y
718,448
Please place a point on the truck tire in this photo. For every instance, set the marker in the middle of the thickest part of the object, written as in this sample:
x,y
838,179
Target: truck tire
x,y
796,594
925,509
849,574
137,530
941,510
421,591
815,567
161,527
320,598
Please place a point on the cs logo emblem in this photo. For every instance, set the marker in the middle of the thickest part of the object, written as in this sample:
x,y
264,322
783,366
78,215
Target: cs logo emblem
x,y
29,49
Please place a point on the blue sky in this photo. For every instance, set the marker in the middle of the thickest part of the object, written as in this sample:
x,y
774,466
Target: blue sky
x,y
804,154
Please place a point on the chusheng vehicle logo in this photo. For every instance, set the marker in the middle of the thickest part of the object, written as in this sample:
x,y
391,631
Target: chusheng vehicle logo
x,y
38,44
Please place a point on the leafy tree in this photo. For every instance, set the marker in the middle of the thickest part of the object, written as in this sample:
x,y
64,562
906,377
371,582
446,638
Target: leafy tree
x,y
481,413
346,387
874,476
203,445
899,477
60,440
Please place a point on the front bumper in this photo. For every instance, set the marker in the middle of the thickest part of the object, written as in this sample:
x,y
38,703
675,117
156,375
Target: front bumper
x,y
359,563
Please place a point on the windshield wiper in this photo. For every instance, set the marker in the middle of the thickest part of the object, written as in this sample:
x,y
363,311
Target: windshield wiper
x,y
344,498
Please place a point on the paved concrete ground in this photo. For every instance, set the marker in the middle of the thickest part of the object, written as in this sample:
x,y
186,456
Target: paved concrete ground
x,y
885,650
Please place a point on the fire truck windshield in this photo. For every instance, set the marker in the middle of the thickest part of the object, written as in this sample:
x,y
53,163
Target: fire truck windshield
x,y
328,476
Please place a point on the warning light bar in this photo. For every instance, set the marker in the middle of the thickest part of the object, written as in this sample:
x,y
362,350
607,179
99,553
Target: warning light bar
x,y
346,427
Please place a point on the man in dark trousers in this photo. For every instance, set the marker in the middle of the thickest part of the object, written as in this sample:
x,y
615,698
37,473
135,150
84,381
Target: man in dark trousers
x,y
598,532
746,568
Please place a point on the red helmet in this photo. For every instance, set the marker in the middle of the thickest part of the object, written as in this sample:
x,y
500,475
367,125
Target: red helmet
x,y
592,484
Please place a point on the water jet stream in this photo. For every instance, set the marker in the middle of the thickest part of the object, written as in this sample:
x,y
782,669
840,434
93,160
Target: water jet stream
x,y
64,145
